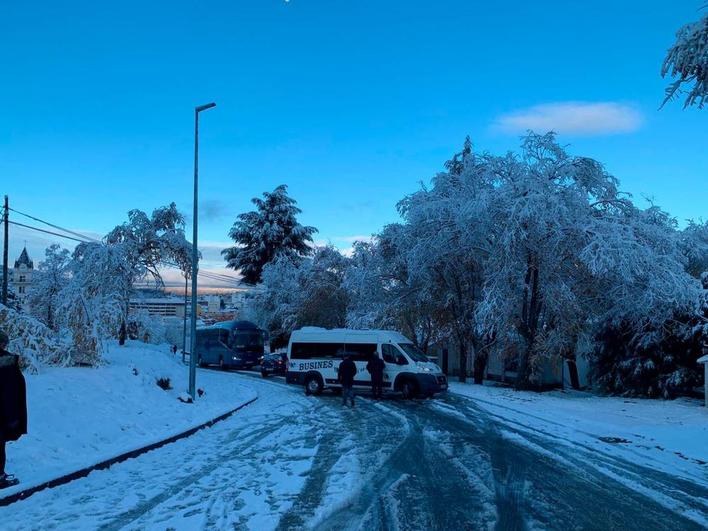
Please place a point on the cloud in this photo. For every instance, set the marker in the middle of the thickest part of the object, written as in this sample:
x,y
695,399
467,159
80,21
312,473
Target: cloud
x,y
572,118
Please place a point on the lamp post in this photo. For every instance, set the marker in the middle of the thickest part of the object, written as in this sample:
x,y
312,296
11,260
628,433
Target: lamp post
x,y
195,256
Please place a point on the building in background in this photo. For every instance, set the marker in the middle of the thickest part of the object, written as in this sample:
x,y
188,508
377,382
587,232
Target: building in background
x,y
162,306
21,276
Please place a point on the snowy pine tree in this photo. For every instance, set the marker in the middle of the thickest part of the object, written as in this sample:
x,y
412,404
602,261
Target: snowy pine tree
x,y
687,60
266,234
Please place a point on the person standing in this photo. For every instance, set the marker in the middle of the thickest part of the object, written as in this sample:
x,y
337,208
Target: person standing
x,y
346,373
376,370
13,405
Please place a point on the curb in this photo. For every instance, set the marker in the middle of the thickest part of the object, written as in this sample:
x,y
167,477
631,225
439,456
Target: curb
x,y
82,473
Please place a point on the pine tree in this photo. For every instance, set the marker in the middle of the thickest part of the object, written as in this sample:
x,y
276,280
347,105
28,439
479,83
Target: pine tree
x,y
687,60
268,233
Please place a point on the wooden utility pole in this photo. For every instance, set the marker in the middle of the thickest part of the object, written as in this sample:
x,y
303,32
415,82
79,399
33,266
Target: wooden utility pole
x,y
6,223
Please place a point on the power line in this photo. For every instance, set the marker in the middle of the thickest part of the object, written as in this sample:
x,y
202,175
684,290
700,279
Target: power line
x,y
55,226
47,232
81,238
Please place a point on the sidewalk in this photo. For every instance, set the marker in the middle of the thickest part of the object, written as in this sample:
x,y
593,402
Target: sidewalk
x,y
83,417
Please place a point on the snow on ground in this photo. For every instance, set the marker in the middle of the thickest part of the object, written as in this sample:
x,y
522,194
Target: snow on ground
x,y
666,435
81,416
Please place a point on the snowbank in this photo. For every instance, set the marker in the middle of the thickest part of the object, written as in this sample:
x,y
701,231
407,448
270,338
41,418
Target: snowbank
x,y
669,435
81,416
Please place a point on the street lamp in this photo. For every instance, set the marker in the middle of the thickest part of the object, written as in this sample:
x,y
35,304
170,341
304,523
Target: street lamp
x,y
195,255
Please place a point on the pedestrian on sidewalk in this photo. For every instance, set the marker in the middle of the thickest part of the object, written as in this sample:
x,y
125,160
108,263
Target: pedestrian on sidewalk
x,y
13,405
346,373
376,370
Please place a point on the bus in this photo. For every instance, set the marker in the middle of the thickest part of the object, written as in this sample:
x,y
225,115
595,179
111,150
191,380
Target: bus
x,y
314,355
230,345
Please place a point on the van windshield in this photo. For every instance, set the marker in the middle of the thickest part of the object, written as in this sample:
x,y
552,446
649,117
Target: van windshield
x,y
413,352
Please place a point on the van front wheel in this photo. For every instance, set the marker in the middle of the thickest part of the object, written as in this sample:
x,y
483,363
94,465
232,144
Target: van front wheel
x,y
409,389
313,385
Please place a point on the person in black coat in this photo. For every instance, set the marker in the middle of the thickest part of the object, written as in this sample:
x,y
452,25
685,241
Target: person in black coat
x,y
13,405
346,373
376,370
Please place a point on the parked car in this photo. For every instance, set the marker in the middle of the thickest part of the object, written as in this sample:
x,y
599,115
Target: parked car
x,y
276,363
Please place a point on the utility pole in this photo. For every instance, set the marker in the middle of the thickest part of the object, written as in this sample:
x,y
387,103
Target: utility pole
x,y
6,223
195,256
184,324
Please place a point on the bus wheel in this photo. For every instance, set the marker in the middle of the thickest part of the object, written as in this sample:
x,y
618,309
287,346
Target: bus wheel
x,y
313,385
264,373
221,364
409,389
201,363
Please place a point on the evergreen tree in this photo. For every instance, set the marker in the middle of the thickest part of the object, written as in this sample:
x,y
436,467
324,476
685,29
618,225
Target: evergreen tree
x,y
687,60
267,233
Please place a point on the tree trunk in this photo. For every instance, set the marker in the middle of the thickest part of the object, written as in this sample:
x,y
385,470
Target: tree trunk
x,y
530,313
480,366
463,362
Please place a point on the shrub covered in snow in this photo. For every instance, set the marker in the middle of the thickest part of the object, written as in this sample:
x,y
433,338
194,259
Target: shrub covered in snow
x,y
34,342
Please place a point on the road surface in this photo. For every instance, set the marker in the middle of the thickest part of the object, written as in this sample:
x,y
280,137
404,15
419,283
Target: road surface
x,y
295,462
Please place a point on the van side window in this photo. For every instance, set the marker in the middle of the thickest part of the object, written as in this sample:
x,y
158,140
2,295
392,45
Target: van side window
x,y
361,351
389,353
305,351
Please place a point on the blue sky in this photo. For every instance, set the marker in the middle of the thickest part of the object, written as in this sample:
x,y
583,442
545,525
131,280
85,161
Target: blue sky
x,y
351,104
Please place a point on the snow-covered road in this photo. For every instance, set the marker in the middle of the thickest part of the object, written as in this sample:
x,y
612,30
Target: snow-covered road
x,y
292,462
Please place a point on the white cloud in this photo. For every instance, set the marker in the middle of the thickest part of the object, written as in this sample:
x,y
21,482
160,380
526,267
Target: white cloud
x,y
572,118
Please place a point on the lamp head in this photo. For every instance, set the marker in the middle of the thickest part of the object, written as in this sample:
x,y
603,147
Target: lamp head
x,y
204,107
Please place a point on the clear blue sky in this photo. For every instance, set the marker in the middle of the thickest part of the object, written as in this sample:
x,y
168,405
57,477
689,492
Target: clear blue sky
x,y
350,103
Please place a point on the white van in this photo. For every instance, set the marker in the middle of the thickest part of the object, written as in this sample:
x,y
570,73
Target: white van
x,y
314,355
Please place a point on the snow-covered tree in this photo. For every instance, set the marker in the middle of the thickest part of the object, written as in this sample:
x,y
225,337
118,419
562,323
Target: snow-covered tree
x,y
568,250
149,242
306,292
94,300
687,61
36,344
266,234
50,278
380,290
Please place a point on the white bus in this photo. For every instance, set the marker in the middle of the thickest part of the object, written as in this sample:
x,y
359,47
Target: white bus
x,y
314,355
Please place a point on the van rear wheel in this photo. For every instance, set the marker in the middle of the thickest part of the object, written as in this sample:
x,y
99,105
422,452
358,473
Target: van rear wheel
x,y
313,385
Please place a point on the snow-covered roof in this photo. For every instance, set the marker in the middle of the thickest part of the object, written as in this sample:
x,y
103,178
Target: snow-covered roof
x,y
704,359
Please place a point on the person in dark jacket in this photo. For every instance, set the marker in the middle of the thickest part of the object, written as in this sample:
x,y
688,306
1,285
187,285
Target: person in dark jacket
x,y
13,405
376,370
346,373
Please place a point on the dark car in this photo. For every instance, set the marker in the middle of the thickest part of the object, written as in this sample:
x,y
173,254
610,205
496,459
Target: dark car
x,y
274,364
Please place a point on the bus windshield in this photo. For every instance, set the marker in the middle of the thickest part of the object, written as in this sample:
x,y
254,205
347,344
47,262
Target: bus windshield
x,y
247,339
413,352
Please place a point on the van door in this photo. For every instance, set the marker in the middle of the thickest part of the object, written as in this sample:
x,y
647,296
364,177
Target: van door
x,y
361,354
394,362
